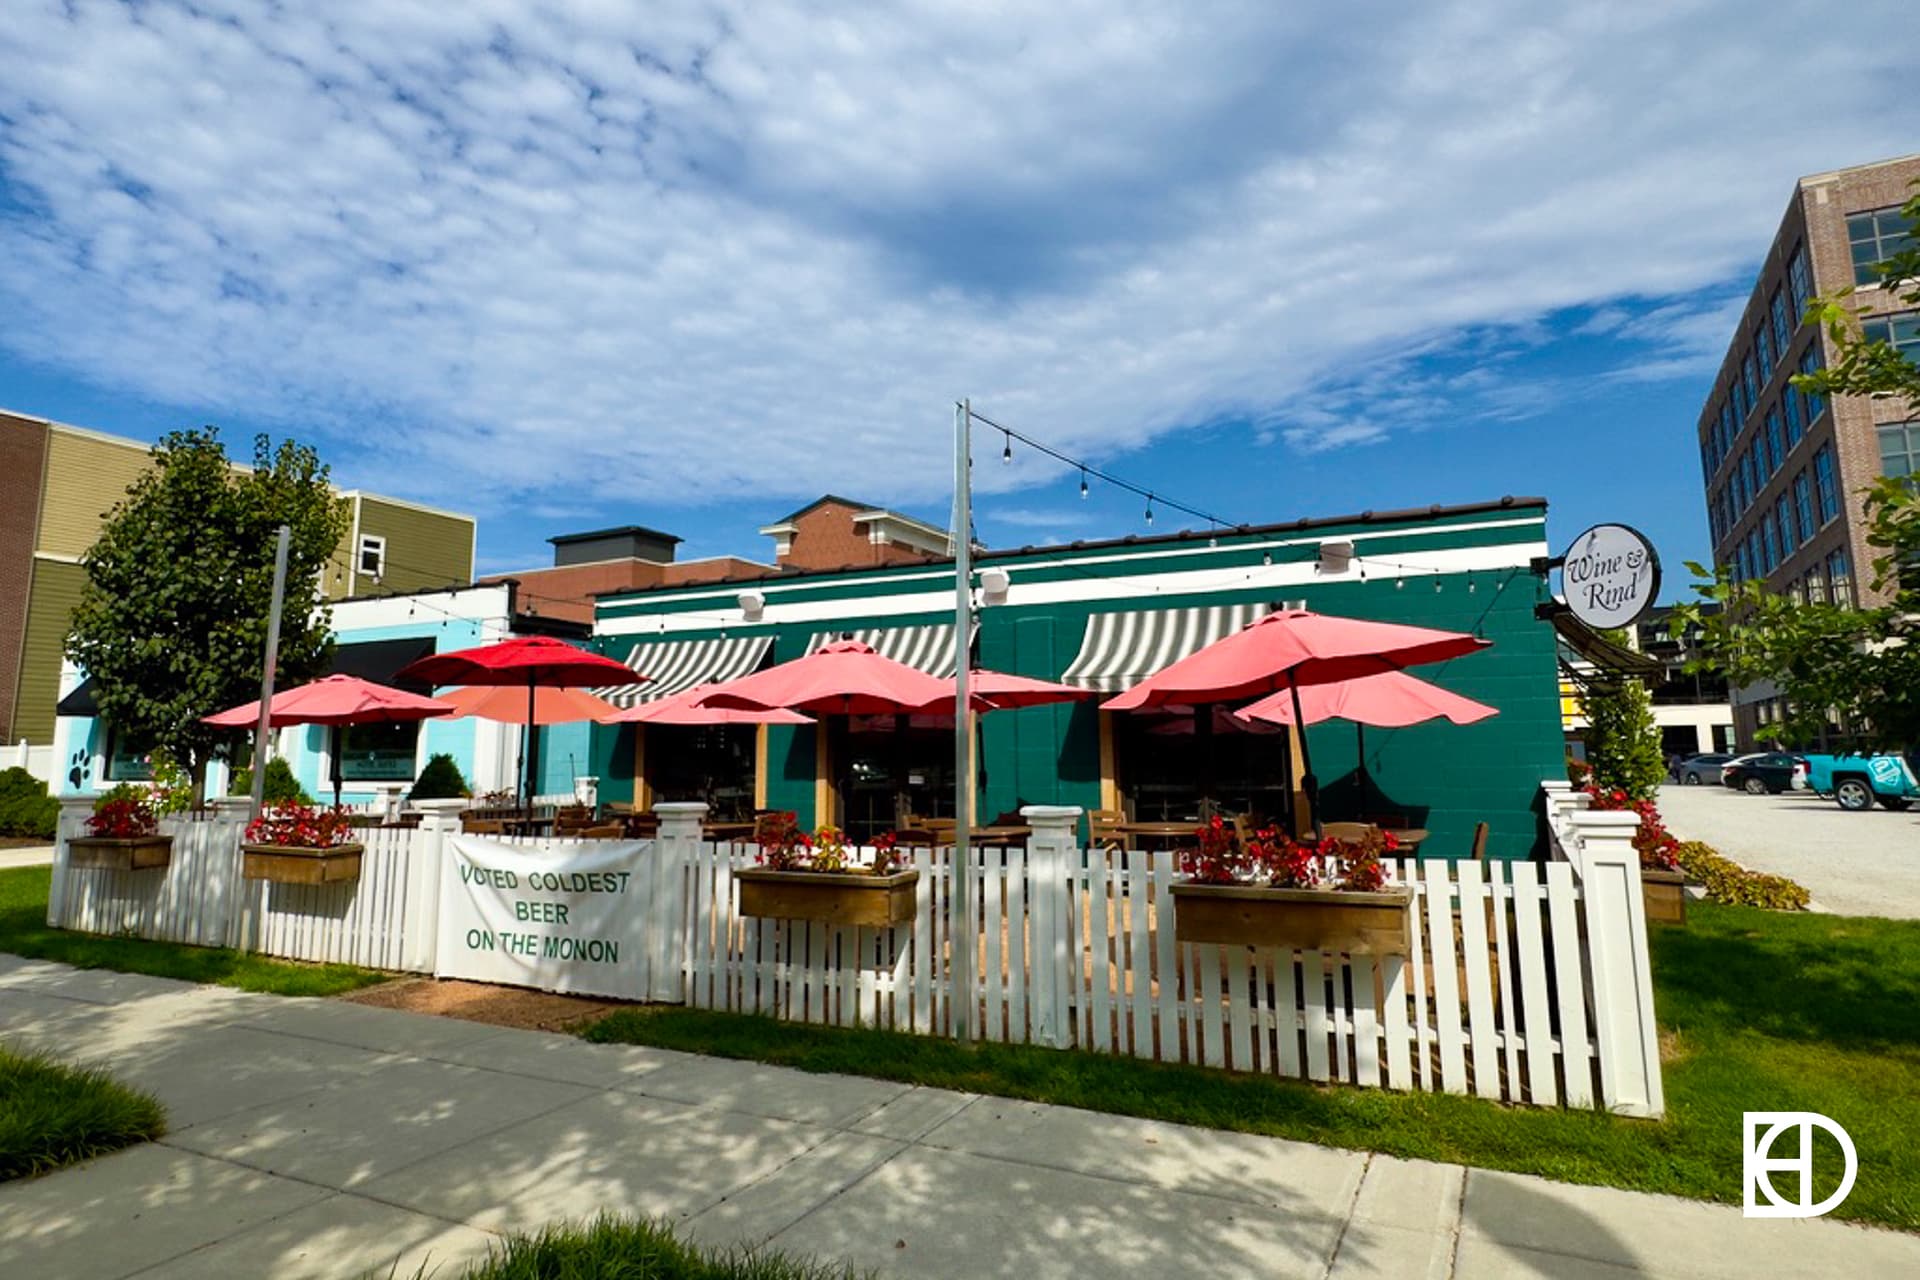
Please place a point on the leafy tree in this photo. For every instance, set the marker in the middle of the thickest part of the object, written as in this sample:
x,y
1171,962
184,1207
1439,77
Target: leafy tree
x,y
1623,741
172,623
281,786
1855,668
440,780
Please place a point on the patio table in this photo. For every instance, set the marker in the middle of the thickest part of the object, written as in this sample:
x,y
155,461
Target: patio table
x,y
727,830
1161,833
1409,837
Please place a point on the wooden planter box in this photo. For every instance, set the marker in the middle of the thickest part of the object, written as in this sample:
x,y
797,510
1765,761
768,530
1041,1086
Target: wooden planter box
x,y
119,853
287,864
1665,895
837,897
1307,919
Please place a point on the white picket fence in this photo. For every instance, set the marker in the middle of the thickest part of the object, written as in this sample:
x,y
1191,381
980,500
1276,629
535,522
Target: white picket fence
x,y
1523,983
1079,952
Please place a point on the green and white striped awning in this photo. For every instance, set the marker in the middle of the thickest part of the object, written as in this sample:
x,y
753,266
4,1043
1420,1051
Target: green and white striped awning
x,y
925,648
679,665
1121,649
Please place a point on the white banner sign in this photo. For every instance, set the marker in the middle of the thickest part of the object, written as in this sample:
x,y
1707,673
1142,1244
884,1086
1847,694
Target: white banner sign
x,y
563,917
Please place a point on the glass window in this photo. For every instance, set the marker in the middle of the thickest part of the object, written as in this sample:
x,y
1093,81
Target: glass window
x,y
1814,404
1803,502
378,752
1769,543
1817,583
1727,429
1783,520
1901,331
1900,450
1740,573
1782,324
1750,463
1800,280
1875,236
1840,577
1827,484
1776,442
127,757
1763,347
1750,381
1790,410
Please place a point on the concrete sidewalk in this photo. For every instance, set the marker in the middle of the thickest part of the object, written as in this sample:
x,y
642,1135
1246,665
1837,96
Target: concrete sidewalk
x,y
316,1138
33,855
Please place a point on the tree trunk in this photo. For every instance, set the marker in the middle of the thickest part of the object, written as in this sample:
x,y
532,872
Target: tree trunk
x,y
197,774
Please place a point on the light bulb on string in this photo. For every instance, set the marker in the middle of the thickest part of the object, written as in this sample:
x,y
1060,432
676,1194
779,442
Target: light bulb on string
x,y
1436,582
1399,583
1006,450
1472,586
1266,558
1083,483
1149,508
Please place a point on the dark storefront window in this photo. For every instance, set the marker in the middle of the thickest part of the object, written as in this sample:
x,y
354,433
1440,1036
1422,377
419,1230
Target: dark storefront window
x,y
874,759
713,763
127,757
1165,768
379,752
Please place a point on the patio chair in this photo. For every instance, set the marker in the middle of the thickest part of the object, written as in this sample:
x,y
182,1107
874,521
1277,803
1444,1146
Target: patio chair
x,y
482,826
1103,829
1479,853
1347,830
605,831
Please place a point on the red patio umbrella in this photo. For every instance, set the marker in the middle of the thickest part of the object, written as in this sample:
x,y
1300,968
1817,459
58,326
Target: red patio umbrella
x,y
844,678
1387,699
1287,650
1003,692
334,701
532,662
684,708
505,704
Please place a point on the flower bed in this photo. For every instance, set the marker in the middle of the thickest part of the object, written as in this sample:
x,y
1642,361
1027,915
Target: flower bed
x,y
1271,890
123,834
1727,881
813,877
294,843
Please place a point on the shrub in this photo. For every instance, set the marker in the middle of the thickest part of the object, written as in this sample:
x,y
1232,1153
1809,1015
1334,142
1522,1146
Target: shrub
x,y
282,787
1727,881
25,807
1623,742
440,780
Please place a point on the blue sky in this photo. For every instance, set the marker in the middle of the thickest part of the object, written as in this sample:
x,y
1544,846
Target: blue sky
x,y
564,267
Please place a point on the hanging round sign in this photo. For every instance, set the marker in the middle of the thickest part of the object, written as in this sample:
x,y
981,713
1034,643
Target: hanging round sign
x,y
1610,576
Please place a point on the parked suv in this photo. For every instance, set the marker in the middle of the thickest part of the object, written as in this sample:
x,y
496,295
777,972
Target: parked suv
x,y
1766,774
1695,770
1856,781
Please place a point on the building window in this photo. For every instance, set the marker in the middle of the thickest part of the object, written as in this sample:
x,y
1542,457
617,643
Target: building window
x,y
1800,280
1900,451
1740,573
1817,583
1790,409
1840,576
372,559
1782,324
379,752
1776,443
1803,500
1875,236
1827,485
1902,332
1727,429
1763,347
1813,404
1750,382
127,757
1769,543
1783,520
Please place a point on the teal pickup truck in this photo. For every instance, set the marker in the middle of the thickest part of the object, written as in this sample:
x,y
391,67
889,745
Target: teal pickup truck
x,y
1856,781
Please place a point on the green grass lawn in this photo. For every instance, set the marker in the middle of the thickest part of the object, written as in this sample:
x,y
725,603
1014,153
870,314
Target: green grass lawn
x,y
24,932
53,1115
625,1249
1762,1011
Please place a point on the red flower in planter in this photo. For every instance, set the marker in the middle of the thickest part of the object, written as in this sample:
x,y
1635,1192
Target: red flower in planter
x,y
1656,845
124,813
1217,858
1286,863
886,854
300,826
781,840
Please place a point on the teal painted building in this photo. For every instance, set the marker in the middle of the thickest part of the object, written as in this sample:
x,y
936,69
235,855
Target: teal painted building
x,y
1104,615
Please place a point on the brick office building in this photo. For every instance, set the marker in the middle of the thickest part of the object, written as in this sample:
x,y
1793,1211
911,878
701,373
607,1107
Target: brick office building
x,y
1782,469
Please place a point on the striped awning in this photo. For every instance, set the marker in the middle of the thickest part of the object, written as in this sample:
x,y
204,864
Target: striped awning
x,y
927,648
1121,649
678,665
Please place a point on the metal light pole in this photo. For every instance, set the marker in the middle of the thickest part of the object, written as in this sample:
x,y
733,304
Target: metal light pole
x,y
961,920
266,675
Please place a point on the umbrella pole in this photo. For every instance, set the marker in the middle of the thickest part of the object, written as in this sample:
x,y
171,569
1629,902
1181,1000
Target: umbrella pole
x,y
1308,783
339,740
526,753
1360,749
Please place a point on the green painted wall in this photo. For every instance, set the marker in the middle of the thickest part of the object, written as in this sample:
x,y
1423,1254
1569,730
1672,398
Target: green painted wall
x,y
1443,777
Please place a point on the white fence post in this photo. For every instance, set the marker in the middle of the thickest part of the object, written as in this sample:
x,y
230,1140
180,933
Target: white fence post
x,y
438,820
233,895
74,811
678,844
1053,852
1624,1030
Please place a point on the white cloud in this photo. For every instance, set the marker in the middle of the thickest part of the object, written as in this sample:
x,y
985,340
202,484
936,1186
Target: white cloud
x,y
561,253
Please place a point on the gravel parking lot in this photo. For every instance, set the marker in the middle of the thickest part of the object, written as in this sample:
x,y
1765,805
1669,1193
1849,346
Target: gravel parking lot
x,y
1859,864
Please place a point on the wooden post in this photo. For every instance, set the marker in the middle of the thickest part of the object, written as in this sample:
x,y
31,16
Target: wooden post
x,y
1624,1029
1053,851
674,851
439,819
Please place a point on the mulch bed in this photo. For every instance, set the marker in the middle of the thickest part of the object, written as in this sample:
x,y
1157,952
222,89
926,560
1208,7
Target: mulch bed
x,y
480,1002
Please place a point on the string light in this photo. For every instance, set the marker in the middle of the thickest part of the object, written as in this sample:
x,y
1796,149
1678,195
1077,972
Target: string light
x,y
1006,450
1436,582
1149,508
1266,558
1083,484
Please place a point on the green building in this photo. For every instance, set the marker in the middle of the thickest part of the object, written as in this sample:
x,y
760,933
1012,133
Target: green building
x,y
1104,615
